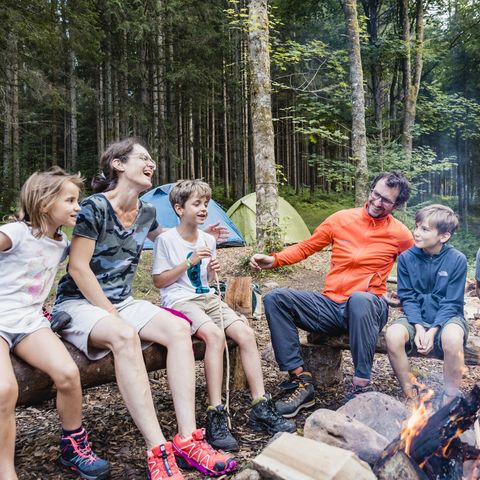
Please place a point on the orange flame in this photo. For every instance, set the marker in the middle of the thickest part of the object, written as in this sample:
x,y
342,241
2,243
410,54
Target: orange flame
x,y
419,416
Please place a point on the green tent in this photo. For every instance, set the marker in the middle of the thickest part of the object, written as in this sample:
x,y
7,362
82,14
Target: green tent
x,y
243,211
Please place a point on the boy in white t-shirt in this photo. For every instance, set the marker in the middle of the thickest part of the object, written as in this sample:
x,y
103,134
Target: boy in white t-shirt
x,y
184,264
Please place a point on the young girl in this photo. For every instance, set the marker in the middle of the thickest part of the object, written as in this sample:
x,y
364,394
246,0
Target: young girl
x,y
97,293
30,252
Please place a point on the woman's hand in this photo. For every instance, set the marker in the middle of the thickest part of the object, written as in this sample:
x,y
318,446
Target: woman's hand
x,y
219,232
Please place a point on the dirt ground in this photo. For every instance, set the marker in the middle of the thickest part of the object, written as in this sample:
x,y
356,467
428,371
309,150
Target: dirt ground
x,y
115,436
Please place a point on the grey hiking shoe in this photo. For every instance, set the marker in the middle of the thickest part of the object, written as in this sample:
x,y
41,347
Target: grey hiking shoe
x,y
264,417
300,394
217,433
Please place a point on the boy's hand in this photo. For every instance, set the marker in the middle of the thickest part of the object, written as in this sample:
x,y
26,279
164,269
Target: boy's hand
x,y
419,337
260,261
199,254
213,266
428,341
219,232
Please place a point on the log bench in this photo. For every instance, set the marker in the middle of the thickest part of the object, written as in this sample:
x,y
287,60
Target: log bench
x,y
35,386
323,355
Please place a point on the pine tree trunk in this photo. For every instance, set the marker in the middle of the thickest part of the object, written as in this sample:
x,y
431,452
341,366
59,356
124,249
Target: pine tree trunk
x,y
15,115
267,220
371,8
6,180
100,114
226,157
411,83
359,135
73,112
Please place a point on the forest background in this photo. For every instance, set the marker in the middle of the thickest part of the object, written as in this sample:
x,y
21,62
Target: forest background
x,y
78,74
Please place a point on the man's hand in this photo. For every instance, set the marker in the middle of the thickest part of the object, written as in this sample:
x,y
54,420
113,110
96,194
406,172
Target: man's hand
x,y
392,299
199,254
218,231
261,262
213,266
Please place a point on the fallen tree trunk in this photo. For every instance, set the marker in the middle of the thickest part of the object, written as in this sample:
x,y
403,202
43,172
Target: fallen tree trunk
x,y
35,386
472,349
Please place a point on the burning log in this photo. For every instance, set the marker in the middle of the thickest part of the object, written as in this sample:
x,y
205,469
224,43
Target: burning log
x,y
435,446
400,465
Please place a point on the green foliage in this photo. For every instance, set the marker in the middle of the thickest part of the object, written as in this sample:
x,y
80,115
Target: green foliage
x,y
450,113
315,208
424,161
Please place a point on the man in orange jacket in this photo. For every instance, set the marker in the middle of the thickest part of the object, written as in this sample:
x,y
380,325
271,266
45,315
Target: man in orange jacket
x,y
365,243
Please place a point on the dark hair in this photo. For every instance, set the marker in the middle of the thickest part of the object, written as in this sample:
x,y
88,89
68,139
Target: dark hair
x,y
107,177
394,179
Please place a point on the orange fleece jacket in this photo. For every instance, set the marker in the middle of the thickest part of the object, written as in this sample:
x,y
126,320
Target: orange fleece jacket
x,y
363,251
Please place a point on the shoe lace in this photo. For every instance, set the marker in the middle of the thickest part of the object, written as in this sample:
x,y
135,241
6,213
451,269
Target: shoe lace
x,y
296,393
160,464
82,448
220,422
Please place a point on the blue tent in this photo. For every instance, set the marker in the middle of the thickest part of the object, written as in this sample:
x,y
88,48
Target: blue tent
x,y
166,216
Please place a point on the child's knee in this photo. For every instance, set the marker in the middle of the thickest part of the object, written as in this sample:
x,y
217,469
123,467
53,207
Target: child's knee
x,y
68,378
247,336
453,346
396,337
8,394
215,338
452,339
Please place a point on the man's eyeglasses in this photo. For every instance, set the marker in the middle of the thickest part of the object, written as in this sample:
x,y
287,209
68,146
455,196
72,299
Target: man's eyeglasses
x,y
385,201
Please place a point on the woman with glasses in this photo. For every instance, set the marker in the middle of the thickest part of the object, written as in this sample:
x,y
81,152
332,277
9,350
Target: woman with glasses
x,y
96,292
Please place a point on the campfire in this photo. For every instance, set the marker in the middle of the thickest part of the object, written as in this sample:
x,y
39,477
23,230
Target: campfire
x,y
428,446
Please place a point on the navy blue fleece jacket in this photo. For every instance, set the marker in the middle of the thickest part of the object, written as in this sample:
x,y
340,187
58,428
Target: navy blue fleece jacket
x,y
431,287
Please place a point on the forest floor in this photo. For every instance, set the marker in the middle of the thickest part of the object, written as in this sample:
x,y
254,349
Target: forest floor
x,y
116,438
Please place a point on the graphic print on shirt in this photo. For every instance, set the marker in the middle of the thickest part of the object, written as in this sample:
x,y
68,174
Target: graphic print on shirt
x,y
194,276
37,278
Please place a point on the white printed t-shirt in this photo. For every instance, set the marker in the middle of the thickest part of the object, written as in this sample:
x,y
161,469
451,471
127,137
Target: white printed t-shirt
x,y
28,270
171,250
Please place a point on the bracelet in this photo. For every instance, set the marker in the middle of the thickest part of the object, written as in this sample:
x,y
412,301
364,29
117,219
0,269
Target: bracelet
x,y
188,262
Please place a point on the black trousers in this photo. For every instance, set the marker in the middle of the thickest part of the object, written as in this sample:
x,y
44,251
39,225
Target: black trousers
x,y
363,316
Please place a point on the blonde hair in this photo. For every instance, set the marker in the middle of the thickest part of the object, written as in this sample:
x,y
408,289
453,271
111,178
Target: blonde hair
x,y
39,193
184,189
443,218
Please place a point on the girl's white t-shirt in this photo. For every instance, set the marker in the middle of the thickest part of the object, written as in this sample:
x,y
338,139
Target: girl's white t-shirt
x,y
27,272
171,250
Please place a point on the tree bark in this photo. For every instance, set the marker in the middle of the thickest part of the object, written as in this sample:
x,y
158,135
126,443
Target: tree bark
x,y
100,111
267,219
6,180
371,8
359,135
411,82
73,111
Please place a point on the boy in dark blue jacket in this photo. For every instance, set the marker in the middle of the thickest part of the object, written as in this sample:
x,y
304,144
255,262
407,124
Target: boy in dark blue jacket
x,y
431,285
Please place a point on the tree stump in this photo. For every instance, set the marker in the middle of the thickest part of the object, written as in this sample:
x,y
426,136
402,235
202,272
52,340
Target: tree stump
x,y
238,296
324,362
